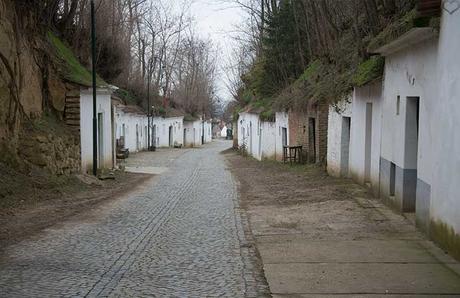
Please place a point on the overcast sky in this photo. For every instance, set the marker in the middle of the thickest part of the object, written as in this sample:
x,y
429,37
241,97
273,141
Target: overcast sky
x,y
216,20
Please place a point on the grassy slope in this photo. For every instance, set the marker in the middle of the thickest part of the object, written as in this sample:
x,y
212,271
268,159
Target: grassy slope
x,y
69,66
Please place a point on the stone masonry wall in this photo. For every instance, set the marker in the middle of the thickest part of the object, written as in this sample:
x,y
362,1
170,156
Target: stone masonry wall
x,y
57,153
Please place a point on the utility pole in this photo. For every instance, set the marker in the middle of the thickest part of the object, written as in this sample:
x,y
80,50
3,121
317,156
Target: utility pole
x,y
151,68
93,58
148,104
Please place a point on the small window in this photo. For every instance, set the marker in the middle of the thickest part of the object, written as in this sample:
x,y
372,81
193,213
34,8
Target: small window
x,y
398,104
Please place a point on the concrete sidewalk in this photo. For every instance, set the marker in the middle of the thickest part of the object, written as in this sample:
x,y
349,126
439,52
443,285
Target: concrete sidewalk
x,y
328,237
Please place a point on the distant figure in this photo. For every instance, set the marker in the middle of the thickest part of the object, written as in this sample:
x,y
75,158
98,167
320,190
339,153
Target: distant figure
x,y
223,132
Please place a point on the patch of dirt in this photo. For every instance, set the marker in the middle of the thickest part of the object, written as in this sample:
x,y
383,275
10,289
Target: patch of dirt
x,y
35,201
303,199
273,183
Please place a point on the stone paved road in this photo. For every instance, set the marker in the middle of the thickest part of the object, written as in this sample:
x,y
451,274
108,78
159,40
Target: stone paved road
x,y
180,236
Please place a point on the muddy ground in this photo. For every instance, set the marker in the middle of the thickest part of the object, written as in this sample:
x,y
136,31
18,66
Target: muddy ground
x,y
31,202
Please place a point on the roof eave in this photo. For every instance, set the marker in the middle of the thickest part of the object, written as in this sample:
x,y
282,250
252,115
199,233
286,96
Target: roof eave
x,y
407,40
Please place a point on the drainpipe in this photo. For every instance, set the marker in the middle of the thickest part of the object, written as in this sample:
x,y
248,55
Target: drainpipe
x,y
93,51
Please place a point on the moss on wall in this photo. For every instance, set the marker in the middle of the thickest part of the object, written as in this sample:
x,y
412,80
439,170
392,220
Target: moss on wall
x,y
69,66
190,118
394,30
446,237
369,70
267,115
127,96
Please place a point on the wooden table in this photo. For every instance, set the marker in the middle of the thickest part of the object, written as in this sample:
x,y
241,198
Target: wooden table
x,y
292,154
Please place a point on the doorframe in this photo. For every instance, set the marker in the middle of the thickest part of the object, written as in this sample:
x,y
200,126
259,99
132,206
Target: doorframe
x,y
100,140
171,138
368,142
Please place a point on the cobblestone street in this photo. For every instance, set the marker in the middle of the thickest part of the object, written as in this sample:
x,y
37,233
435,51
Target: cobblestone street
x,y
180,235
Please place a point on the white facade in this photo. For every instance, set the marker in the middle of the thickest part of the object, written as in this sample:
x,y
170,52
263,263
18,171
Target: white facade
x,y
282,133
246,122
104,129
445,128
404,135
365,141
354,136
133,127
407,135
338,139
168,132
223,132
420,158
263,139
207,132
193,132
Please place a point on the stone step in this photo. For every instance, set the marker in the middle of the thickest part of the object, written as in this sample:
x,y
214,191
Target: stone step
x,y
72,117
72,105
69,110
74,122
72,99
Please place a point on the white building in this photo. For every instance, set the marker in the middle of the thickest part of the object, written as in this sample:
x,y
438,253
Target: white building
x,y
339,139
193,133
168,132
263,139
131,125
282,133
207,129
409,100
223,132
104,129
404,135
354,136
443,205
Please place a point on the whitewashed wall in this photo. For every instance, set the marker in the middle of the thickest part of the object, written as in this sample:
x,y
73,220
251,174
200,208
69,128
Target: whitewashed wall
x,y
282,121
207,132
248,133
104,106
193,133
445,135
335,164
371,93
223,132
134,127
161,133
262,139
268,132
409,72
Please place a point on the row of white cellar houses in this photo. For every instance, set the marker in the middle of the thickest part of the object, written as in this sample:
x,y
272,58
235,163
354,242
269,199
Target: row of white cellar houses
x,y
262,139
398,134
121,126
